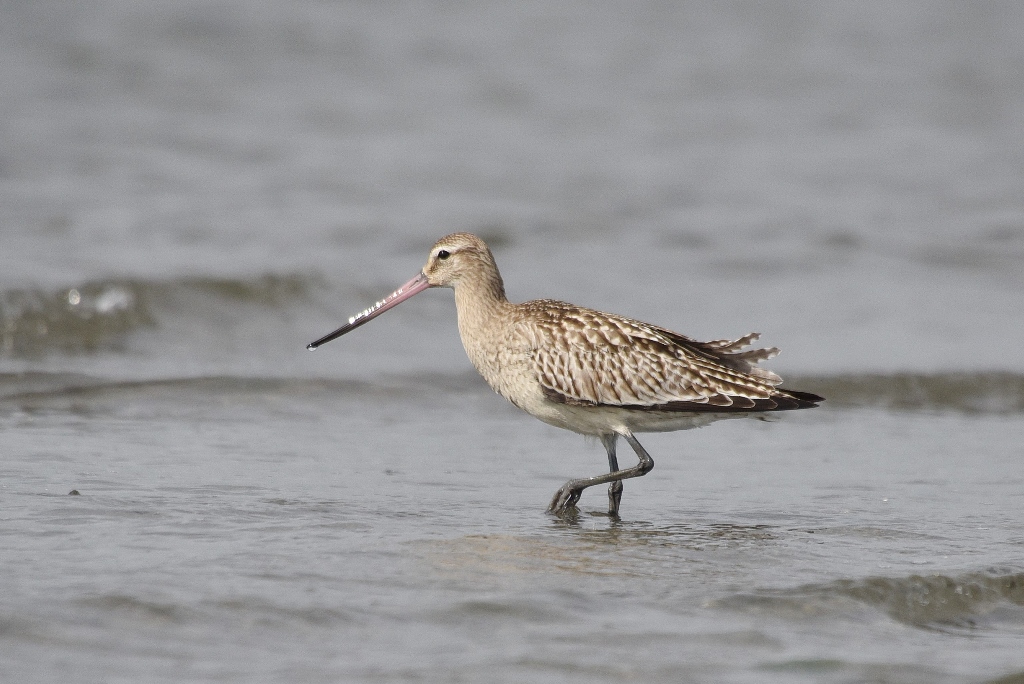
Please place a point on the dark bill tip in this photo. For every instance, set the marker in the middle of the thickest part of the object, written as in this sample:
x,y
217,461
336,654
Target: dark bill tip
x,y
417,284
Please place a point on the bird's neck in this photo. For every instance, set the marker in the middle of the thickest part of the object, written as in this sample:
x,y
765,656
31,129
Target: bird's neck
x,y
482,309
480,298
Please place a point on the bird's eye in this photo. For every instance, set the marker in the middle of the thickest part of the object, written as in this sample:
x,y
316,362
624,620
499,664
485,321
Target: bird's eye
x,y
443,254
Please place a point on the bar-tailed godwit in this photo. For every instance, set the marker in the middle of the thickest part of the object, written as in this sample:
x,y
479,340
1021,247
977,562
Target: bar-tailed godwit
x,y
590,372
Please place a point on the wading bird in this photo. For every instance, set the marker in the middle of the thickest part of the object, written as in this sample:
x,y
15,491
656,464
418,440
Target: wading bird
x,y
590,372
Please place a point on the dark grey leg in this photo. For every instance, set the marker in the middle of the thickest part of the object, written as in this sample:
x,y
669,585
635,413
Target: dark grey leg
x,y
615,488
570,492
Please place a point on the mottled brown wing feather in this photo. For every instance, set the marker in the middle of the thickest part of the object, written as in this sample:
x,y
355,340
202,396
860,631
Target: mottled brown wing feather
x,y
586,357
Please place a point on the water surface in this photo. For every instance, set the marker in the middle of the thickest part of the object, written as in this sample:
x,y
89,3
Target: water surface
x,y
191,193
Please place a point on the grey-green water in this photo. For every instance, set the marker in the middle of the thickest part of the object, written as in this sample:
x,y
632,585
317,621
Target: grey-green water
x,y
239,530
189,193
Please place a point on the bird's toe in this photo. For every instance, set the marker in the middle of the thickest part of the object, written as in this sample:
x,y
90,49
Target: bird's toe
x,y
564,499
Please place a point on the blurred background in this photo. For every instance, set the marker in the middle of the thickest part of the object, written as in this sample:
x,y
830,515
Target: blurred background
x,y
190,192
222,181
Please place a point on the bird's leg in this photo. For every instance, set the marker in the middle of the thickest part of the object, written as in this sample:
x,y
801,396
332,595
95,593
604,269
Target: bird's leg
x,y
615,488
570,492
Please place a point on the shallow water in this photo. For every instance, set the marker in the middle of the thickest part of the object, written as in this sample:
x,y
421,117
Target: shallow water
x,y
191,193
403,537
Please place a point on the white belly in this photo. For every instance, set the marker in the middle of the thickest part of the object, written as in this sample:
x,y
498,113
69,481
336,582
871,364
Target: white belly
x,y
602,420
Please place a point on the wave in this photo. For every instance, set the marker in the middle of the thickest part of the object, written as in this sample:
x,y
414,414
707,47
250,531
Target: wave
x,y
35,389
102,315
79,393
965,392
130,608
98,315
969,393
971,601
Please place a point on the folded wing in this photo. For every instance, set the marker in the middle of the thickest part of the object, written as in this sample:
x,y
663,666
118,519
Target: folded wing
x,y
585,357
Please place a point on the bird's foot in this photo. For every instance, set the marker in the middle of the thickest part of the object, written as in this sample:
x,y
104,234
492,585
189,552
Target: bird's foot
x,y
565,498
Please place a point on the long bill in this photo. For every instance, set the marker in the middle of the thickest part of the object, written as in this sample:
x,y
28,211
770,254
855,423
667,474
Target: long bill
x,y
414,286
